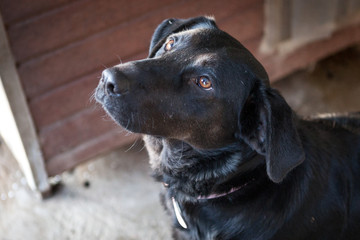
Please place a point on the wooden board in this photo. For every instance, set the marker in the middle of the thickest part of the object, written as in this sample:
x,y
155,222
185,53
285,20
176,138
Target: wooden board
x,y
16,125
14,11
280,66
75,21
91,148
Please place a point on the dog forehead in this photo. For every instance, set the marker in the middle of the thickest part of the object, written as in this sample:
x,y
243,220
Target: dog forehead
x,y
211,39
188,34
205,58
203,25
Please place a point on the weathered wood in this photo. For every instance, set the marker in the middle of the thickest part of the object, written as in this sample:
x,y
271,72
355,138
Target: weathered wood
x,y
68,133
277,24
280,66
75,21
16,125
91,148
68,99
64,101
20,10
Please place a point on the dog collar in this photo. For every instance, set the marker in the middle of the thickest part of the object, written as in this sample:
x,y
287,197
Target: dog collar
x,y
219,195
177,208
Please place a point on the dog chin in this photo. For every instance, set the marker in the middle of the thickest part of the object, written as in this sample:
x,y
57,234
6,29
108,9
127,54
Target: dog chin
x,y
120,119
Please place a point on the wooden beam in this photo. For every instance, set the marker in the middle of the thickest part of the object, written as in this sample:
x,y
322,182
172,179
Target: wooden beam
x,y
16,125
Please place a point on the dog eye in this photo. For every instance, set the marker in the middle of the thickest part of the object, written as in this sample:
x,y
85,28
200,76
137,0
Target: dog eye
x,y
169,44
204,82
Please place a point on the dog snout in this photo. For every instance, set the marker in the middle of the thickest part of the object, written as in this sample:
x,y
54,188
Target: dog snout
x,y
115,82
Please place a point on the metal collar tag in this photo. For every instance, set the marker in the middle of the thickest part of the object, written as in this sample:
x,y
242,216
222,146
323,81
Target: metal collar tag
x,y
178,213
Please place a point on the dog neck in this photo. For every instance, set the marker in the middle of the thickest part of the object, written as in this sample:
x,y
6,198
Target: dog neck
x,y
191,174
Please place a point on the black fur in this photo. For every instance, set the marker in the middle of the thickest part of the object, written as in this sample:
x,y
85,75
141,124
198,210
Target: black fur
x,y
235,158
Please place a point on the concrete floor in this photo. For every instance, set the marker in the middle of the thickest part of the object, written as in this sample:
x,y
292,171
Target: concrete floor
x,y
114,197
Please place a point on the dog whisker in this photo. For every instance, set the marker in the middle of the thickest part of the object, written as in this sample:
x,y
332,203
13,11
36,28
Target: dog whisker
x,y
132,146
119,58
106,118
92,98
142,148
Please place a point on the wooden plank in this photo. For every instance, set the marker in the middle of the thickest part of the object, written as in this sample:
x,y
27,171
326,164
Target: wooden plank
x,y
64,101
72,22
68,133
68,99
86,150
50,71
277,23
17,10
16,125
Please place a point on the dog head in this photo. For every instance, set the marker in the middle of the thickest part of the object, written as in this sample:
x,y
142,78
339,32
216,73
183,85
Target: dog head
x,y
201,86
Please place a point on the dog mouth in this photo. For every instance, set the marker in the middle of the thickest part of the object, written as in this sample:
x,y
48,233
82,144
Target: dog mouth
x,y
112,106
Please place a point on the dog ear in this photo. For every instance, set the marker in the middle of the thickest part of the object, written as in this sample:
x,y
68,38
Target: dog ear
x,y
267,124
173,25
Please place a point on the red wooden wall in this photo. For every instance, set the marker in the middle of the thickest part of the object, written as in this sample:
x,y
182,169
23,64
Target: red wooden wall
x,y
61,47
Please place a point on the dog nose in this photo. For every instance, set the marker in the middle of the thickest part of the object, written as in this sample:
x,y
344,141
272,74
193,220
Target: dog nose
x,y
115,82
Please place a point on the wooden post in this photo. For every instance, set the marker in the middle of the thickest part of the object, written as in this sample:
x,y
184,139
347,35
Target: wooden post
x,y
16,124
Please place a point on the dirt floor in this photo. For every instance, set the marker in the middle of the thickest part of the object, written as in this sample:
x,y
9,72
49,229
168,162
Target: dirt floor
x,y
114,197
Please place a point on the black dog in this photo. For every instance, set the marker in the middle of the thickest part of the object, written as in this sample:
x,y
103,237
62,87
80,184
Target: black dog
x,y
235,160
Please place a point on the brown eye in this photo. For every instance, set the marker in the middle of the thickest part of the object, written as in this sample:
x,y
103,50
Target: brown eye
x,y
169,45
204,82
